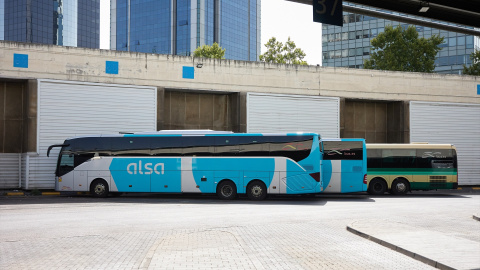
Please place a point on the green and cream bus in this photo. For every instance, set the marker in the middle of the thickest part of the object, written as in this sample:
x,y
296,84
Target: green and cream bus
x,y
399,168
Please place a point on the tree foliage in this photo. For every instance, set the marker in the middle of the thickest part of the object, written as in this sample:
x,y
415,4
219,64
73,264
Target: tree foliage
x,y
207,51
474,69
401,50
280,53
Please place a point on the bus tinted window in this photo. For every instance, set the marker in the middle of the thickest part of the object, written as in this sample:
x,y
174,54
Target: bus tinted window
x,y
166,145
374,158
253,146
226,145
134,146
343,150
65,163
294,147
399,158
435,158
89,144
198,146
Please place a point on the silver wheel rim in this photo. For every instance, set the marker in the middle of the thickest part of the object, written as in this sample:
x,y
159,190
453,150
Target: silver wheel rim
x,y
99,189
401,187
257,191
227,191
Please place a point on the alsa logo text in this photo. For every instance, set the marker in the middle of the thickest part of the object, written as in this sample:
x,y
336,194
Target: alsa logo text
x,y
148,168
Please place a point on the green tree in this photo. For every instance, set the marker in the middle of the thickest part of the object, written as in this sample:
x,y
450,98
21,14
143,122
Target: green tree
x,y
207,51
280,53
474,69
401,50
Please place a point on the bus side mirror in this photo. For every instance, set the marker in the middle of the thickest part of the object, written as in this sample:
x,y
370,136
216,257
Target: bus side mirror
x,y
55,145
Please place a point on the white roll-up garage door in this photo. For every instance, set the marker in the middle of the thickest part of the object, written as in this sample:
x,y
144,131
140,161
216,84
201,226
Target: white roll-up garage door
x,y
292,113
69,108
451,123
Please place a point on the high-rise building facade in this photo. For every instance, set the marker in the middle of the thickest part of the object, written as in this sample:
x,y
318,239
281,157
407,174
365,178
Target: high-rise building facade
x,y
59,22
349,46
180,26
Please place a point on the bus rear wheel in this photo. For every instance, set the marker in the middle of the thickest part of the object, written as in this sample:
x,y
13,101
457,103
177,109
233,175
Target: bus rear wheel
x,y
227,190
400,187
377,187
256,191
99,188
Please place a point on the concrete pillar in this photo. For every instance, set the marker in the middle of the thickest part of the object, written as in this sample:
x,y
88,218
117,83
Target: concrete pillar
x,y
160,108
242,112
31,117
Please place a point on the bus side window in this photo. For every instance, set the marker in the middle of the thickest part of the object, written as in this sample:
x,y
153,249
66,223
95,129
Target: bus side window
x,y
435,158
374,158
66,162
343,150
253,146
226,146
399,158
294,147
81,158
198,146
131,146
166,146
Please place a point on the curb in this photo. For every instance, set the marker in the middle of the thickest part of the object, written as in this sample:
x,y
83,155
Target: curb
x,y
15,193
415,256
51,193
22,193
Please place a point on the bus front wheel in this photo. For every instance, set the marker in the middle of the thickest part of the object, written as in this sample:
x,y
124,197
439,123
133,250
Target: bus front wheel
x,y
377,187
99,188
400,187
227,190
256,191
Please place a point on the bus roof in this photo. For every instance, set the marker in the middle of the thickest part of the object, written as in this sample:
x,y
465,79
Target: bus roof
x,y
174,133
342,139
409,146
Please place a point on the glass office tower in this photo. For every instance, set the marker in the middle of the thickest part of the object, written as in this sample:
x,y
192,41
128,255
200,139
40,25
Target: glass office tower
x,y
180,26
59,22
349,46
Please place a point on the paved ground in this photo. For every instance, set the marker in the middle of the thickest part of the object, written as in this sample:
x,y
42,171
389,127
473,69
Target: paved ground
x,y
201,232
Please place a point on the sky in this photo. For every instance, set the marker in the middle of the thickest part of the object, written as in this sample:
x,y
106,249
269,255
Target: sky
x,y
280,19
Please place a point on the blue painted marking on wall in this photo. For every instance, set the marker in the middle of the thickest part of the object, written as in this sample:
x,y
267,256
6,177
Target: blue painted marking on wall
x,y
111,67
478,89
188,73
20,60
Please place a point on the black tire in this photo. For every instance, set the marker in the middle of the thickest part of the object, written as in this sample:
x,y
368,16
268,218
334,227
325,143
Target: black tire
x,y
99,188
400,187
256,191
227,190
377,187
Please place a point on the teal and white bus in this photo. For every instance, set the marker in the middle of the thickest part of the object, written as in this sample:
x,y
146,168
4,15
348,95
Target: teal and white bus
x,y
191,162
344,165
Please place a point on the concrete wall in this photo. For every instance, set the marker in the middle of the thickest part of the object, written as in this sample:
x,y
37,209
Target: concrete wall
x,y
165,71
376,121
374,104
13,116
195,110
